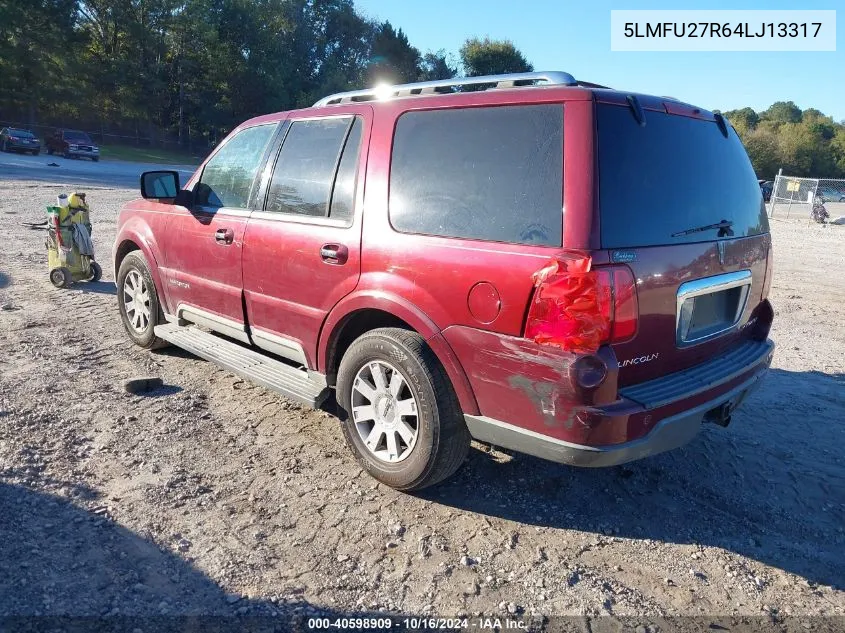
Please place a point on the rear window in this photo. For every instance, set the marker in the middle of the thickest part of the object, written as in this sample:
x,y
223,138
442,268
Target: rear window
x,y
674,174
491,173
21,133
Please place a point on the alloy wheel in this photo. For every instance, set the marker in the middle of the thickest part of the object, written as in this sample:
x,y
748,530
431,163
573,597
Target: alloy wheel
x,y
384,411
136,301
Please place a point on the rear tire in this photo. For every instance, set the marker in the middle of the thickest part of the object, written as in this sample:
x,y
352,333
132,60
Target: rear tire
x,y
96,272
434,440
50,151
61,277
96,159
138,303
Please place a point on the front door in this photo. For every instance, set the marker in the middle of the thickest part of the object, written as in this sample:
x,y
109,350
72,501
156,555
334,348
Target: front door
x,y
204,244
302,248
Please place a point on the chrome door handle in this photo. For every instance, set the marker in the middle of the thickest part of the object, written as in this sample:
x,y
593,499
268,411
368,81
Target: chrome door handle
x,y
224,236
334,253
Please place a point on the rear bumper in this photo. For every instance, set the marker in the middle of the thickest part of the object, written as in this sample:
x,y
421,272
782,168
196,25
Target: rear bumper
x,y
669,433
83,153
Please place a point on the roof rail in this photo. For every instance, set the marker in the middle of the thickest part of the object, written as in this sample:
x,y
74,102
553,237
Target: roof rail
x,y
588,84
432,87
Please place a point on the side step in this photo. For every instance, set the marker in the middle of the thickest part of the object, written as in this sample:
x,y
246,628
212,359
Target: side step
x,y
297,384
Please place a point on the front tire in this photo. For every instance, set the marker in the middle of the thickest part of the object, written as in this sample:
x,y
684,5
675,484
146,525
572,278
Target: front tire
x,y
137,300
404,424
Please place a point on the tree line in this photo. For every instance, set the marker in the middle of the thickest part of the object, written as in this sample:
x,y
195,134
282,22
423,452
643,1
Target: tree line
x,y
802,142
190,70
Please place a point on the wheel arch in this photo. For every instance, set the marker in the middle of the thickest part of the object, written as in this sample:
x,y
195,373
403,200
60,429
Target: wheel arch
x,y
366,311
130,242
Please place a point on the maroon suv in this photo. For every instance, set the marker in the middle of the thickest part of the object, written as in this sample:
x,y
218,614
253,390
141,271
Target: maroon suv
x,y
72,144
552,267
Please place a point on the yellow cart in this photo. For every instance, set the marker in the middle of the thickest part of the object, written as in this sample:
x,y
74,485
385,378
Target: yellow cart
x,y
70,253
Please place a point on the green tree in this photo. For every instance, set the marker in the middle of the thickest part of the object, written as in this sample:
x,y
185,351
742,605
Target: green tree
x,y
492,57
437,65
764,152
837,148
746,118
782,112
35,36
392,59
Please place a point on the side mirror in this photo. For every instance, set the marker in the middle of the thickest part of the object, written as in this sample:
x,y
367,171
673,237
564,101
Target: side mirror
x,y
159,184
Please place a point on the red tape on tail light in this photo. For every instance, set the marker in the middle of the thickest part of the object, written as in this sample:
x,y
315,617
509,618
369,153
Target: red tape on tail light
x,y
571,308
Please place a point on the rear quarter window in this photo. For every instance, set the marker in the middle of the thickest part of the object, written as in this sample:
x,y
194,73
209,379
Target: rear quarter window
x,y
489,173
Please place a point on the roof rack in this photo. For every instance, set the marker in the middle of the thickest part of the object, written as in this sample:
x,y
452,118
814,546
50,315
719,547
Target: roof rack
x,y
588,84
556,78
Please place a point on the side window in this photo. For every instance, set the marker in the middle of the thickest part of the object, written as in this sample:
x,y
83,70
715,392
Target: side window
x,y
227,178
308,166
343,195
490,173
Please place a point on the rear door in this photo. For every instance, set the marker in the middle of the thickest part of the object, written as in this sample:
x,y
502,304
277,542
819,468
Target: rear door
x,y
203,245
662,181
302,247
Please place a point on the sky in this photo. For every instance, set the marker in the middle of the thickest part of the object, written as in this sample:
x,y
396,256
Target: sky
x,y
574,36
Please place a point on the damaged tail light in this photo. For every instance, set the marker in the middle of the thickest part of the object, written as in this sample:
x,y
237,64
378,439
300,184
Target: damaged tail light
x,y
578,308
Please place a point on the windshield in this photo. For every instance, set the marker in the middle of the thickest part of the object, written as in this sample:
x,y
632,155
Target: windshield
x,y
82,137
675,174
20,133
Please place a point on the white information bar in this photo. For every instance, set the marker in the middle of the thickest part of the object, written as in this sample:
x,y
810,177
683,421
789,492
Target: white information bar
x,y
723,30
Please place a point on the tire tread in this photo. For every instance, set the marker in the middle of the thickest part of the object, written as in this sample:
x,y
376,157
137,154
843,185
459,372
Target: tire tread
x,y
136,259
453,440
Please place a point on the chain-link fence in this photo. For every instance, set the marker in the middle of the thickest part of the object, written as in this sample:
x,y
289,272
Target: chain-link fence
x,y
794,197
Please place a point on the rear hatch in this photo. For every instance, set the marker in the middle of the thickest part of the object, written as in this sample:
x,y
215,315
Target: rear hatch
x,y
667,171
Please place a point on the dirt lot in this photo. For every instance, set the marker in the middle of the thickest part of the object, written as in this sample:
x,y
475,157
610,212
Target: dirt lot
x,y
212,496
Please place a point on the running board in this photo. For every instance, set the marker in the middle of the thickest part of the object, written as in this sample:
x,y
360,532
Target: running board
x,y
297,384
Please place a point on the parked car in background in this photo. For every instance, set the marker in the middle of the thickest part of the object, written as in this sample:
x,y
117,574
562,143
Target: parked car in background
x,y
72,144
831,193
409,251
18,140
766,188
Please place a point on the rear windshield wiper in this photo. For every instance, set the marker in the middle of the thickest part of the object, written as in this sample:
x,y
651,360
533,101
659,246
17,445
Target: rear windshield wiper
x,y
724,229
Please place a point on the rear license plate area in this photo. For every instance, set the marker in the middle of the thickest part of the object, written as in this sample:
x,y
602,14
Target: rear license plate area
x,y
711,306
713,312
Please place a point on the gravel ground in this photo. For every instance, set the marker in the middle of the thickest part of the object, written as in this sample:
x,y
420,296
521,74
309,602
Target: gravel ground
x,y
212,496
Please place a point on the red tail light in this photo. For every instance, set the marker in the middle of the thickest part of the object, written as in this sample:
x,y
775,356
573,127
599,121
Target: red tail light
x,y
578,308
